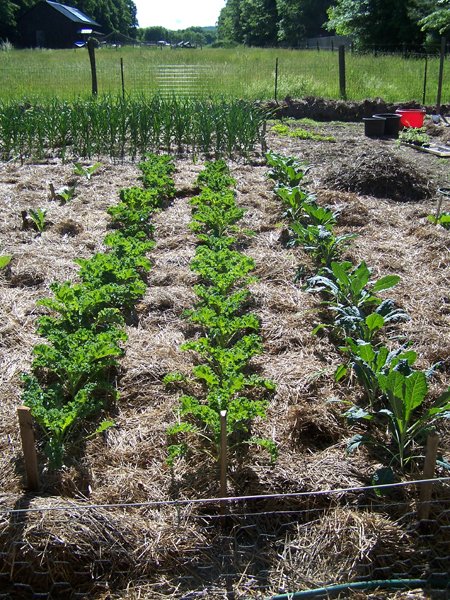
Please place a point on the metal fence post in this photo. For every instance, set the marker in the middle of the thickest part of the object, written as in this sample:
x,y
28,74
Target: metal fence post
x,y
276,80
91,49
441,75
425,75
342,82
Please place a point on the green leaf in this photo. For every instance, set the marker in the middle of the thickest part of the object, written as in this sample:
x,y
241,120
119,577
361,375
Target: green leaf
x,y
374,322
383,476
104,426
340,372
5,260
356,441
356,413
385,283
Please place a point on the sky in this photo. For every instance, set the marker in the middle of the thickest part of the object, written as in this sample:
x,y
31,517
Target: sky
x,y
178,14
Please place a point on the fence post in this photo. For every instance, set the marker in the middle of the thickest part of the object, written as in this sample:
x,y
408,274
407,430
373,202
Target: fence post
x,y
425,76
122,78
428,473
28,447
91,49
441,74
342,83
276,80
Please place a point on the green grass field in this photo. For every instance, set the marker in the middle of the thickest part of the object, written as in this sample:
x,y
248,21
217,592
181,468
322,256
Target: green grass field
x,y
241,72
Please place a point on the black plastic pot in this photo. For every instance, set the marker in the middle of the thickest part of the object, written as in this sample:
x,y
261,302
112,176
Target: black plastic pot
x,y
374,126
392,124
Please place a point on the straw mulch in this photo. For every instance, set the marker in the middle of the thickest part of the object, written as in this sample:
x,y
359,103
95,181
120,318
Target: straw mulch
x,y
161,552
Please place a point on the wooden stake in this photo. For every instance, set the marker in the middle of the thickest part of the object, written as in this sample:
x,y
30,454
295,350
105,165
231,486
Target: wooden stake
x,y
223,454
28,447
426,489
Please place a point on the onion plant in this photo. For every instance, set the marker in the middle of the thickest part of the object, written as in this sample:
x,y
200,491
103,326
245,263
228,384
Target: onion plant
x,y
129,126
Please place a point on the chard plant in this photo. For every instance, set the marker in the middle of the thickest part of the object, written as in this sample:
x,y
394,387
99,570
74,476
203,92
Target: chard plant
x,y
64,194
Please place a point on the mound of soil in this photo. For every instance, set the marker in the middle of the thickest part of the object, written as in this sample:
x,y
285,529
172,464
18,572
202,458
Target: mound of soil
x,y
322,109
379,173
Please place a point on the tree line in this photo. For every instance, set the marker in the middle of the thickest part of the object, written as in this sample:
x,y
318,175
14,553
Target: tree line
x,y
385,24
112,15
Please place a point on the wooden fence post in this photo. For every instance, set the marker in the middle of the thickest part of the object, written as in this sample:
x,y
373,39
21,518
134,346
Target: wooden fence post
x,y
28,447
223,453
91,49
426,489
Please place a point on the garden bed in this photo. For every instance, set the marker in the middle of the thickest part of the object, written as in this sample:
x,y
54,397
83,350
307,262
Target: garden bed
x,y
384,193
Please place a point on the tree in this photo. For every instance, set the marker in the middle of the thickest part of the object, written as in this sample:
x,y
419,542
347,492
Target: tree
x,y
113,15
377,23
9,11
259,22
229,27
439,19
153,34
299,19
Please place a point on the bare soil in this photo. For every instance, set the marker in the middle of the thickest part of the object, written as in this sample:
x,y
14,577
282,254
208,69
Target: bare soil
x,y
385,192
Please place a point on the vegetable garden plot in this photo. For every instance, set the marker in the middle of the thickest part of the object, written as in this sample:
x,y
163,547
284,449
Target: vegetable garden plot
x,y
127,463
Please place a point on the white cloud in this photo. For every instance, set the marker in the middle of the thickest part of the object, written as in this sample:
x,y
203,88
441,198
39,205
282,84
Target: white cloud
x,y
178,14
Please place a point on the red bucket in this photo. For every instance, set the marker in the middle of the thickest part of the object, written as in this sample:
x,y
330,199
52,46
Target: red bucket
x,y
411,117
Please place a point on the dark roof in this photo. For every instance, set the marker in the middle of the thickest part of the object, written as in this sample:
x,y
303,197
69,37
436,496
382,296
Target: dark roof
x,y
73,14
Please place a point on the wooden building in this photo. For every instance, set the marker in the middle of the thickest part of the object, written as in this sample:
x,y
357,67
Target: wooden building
x,y
53,25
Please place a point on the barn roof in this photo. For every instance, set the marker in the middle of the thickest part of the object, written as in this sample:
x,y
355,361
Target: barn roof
x,y
73,14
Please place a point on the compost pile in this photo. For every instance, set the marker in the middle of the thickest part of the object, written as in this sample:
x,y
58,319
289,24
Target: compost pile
x,y
379,173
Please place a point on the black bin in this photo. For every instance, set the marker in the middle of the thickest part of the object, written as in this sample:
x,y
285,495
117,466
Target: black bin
x,y
374,126
392,124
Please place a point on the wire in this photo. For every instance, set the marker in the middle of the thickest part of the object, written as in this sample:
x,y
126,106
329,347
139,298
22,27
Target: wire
x,y
229,500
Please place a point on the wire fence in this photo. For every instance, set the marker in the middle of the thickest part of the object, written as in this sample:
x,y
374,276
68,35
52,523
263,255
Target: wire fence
x,y
250,73
318,543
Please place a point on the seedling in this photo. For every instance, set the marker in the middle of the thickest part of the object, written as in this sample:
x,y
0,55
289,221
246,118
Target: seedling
x,y
38,218
79,169
64,194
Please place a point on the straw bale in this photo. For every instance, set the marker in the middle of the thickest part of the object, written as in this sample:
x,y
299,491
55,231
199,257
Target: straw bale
x,y
79,546
342,543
